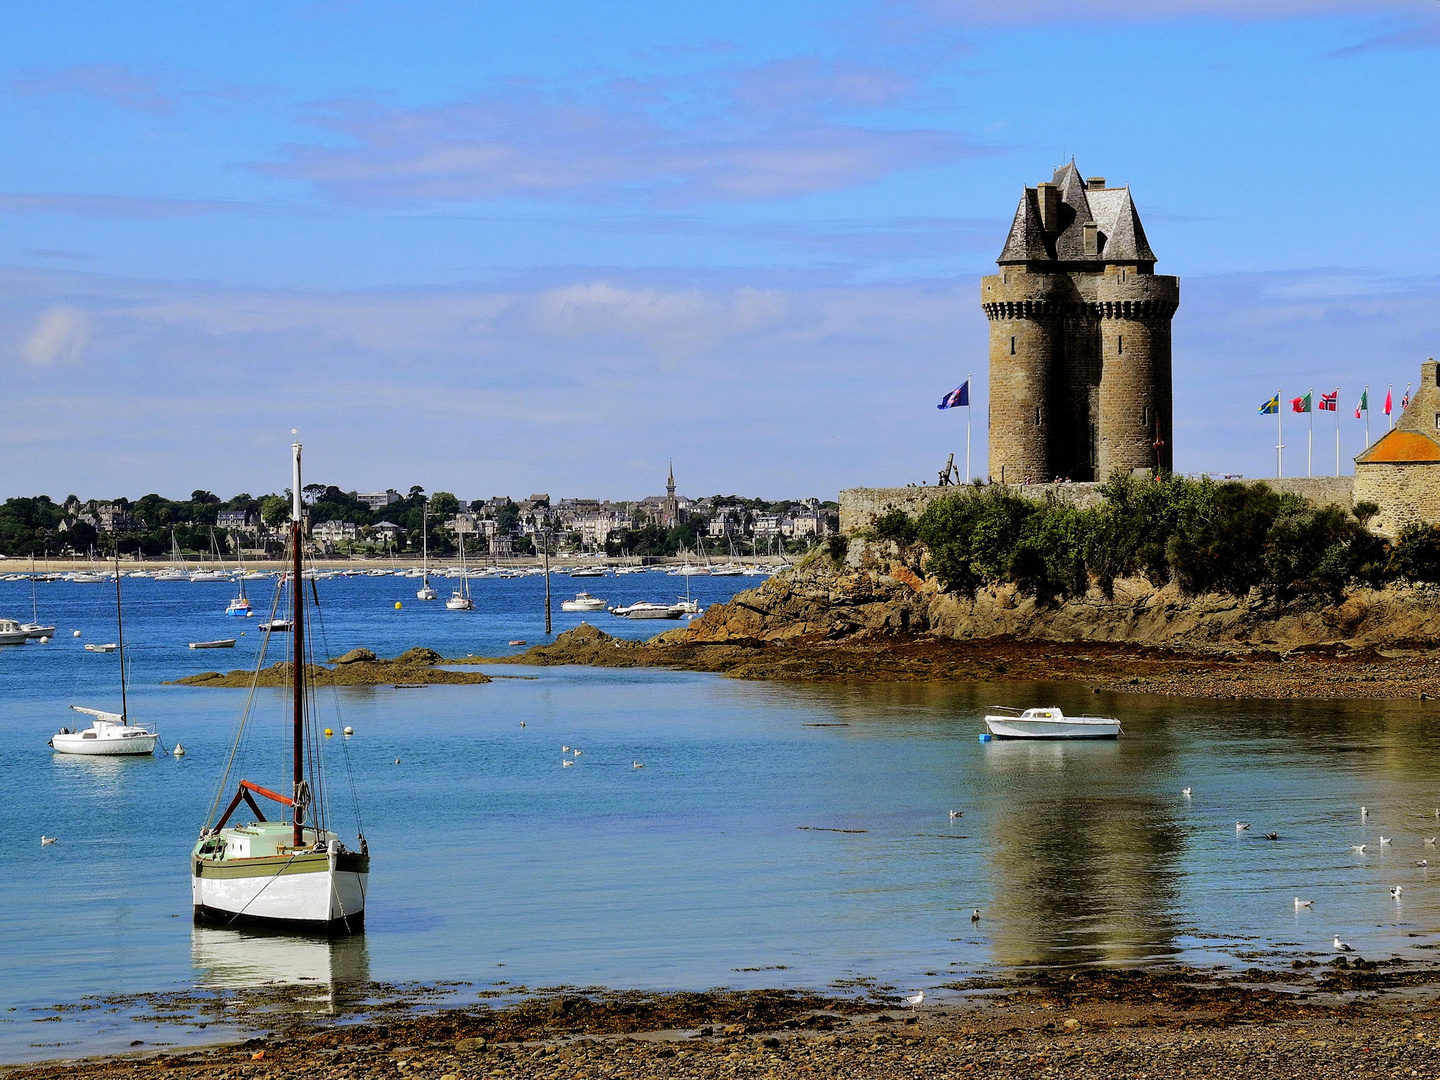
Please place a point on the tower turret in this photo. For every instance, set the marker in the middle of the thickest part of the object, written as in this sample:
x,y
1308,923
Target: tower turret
x,y
1079,338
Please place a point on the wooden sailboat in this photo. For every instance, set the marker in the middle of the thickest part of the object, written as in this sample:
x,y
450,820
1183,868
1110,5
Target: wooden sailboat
x,y
290,873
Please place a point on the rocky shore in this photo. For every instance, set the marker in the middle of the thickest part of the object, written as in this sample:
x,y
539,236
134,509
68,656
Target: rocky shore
x,y
358,667
1341,1018
872,615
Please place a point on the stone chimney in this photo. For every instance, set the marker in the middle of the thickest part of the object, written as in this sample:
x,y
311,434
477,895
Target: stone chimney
x,y
1095,183
1048,196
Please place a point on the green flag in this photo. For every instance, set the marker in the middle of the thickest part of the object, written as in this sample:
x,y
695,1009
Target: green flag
x,y
1301,404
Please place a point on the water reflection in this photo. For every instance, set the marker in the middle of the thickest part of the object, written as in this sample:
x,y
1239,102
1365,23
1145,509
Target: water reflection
x,y
337,968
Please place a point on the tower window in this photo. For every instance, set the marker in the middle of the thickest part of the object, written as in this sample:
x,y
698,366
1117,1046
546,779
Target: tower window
x,y
1120,343
1012,346
1145,415
1037,415
1437,421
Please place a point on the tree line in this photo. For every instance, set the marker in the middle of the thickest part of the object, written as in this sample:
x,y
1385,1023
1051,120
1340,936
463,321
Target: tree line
x,y
1204,536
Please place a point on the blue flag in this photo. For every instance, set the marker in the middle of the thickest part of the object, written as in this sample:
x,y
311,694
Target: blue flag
x,y
1272,406
957,397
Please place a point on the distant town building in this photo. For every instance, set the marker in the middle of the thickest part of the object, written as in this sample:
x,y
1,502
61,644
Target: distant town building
x,y
378,500
335,532
387,532
237,520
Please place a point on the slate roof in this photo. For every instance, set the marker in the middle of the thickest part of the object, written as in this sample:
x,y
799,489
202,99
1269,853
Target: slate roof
x,y
1121,236
1402,447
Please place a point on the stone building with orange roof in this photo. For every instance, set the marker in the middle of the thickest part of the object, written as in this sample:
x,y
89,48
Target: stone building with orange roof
x,y
1400,472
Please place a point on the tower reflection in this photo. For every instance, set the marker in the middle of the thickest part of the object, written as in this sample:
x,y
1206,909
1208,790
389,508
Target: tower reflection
x,y
1088,872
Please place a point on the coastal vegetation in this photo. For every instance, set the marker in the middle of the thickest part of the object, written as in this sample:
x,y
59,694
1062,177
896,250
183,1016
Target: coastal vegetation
x,y
1203,536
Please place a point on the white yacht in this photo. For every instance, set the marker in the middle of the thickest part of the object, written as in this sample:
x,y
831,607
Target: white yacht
x,y
12,633
1049,723
425,592
583,602
646,610
460,598
110,734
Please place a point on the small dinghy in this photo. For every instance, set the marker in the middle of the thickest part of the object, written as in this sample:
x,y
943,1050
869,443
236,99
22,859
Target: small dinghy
x,y
224,643
109,646
1048,723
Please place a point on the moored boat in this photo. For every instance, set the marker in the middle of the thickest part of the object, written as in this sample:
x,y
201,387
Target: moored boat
x,y
223,643
293,873
1048,723
583,602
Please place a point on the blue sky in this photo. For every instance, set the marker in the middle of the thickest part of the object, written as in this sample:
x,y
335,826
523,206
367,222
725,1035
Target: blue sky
x,y
495,248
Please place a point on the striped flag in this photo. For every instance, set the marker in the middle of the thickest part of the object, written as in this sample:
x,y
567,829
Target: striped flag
x,y
1364,405
1330,402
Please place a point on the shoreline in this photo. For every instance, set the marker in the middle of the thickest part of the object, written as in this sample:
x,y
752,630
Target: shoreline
x,y
1311,1020
1108,667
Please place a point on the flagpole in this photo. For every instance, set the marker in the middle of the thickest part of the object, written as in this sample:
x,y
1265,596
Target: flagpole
x,y
1337,431
1279,439
1367,417
1390,405
1310,439
969,412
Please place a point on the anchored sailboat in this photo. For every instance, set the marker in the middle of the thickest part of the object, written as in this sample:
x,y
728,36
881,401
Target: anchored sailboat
x,y
291,873
425,592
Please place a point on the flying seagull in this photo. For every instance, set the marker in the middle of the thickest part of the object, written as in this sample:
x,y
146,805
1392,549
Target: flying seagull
x,y
1343,946
1303,903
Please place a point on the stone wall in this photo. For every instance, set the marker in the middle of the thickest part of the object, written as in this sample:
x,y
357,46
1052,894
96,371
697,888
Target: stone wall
x,y
1407,492
860,506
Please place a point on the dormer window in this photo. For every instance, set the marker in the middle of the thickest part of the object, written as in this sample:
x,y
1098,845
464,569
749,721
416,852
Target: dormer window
x,y
1092,238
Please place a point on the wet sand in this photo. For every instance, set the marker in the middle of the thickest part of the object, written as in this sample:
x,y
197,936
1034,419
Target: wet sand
x,y
1315,1020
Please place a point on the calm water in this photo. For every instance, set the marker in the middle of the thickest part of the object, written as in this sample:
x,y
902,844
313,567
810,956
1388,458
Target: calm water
x,y
493,863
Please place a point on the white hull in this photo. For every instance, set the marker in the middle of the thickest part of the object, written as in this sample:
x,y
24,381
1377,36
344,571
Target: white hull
x,y
77,744
1014,727
324,896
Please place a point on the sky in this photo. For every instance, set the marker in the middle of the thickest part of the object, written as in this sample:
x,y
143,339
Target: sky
x,y
502,248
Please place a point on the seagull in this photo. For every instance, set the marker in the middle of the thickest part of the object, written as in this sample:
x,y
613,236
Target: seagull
x,y
46,840
1384,840
637,764
1185,792
1359,849
1303,903
916,1001
956,814
564,749
577,753
522,723
1395,892
1431,841
1272,836
1241,826
565,764
1343,946
975,915
1423,862
1364,812
397,761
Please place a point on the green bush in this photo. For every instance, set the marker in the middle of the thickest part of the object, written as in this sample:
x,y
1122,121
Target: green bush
x,y
895,524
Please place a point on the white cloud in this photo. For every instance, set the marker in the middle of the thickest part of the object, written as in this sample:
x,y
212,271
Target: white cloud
x,y
59,336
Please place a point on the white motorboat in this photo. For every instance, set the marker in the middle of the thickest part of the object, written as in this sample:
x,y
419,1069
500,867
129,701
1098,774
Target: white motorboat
x,y
171,575
293,873
276,626
108,735
223,643
12,633
583,602
1049,723
84,578
109,646
646,610
209,576
587,571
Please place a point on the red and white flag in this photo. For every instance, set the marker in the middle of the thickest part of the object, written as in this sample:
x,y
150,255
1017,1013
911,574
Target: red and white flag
x,y
1330,402
1387,402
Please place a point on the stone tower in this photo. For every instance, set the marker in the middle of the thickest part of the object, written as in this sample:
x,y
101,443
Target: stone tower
x,y
1079,338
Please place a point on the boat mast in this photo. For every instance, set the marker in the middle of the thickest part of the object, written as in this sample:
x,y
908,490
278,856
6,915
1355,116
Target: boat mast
x,y
298,634
120,638
425,544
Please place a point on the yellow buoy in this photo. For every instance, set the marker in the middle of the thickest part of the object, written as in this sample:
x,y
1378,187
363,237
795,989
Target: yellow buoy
x,y
397,605
328,733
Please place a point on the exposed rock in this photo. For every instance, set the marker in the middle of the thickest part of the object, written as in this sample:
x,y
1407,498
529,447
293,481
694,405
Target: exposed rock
x,y
358,667
356,656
